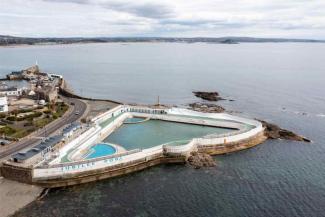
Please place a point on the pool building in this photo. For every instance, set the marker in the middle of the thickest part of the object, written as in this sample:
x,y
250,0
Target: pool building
x,y
130,138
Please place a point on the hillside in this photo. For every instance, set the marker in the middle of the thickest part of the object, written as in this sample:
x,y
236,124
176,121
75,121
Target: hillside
x,y
11,40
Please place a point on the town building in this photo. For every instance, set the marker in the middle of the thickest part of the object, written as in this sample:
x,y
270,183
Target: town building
x,y
38,152
3,104
69,130
27,74
47,93
10,91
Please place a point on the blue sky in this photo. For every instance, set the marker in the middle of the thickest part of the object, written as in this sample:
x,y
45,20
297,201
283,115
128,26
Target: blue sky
x,y
166,18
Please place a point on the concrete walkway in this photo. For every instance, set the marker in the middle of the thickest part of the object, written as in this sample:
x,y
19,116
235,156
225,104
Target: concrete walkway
x,y
15,195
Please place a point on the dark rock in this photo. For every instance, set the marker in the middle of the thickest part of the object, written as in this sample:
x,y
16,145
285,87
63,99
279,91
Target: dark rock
x,y
210,96
206,107
198,160
273,131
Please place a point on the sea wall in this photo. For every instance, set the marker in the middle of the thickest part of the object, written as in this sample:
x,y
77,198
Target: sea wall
x,y
68,93
82,172
107,172
17,173
233,146
63,174
216,146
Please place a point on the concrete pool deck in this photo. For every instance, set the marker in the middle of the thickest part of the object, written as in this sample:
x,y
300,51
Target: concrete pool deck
x,y
190,131
151,133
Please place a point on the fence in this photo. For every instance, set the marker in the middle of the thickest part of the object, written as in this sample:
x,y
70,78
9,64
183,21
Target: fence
x,y
120,160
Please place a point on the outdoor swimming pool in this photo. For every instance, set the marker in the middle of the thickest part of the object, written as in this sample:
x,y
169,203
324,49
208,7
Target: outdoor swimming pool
x,y
100,150
133,120
156,132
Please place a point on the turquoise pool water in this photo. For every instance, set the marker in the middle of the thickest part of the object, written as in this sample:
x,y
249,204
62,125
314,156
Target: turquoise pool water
x,y
155,132
134,120
101,150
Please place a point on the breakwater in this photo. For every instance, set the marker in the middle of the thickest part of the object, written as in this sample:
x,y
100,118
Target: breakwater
x,y
64,91
55,174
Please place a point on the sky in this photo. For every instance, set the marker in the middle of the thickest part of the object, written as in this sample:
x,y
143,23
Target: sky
x,y
163,18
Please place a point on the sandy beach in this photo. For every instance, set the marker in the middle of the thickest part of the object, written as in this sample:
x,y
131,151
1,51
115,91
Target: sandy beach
x,y
15,195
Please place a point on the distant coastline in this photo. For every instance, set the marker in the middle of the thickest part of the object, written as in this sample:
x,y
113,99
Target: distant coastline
x,y
9,41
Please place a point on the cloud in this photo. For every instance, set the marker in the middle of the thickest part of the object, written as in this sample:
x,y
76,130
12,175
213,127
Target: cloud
x,y
148,10
210,18
70,1
152,10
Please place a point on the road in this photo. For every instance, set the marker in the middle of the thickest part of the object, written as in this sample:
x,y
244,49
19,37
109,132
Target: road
x,y
79,107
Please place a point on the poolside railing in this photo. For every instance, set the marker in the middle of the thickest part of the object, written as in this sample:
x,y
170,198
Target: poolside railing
x,y
85,161
138,155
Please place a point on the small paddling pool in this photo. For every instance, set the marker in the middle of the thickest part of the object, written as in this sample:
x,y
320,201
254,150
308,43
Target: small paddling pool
x,y
100,150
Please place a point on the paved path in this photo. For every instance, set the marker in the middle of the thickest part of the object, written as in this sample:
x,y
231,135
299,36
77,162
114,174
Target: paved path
x,y
79,106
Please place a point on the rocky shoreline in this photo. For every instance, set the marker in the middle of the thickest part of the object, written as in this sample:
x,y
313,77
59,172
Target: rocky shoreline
x,y
198,160
206,107
273,131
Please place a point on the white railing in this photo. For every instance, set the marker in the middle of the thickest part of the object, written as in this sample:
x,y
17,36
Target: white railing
x,y
97,135
189,120
150,153
228,139
181,111
84,166
180,149
99,118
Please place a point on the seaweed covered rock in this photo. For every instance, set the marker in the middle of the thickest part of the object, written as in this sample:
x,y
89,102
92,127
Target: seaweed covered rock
x,y
206,107
198,160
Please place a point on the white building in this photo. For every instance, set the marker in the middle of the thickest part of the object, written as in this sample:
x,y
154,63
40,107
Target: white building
x,y
3,104
11,91
55,76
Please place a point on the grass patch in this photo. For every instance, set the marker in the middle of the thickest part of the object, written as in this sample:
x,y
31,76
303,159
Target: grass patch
x,y
13,133
17,127
61,109
42,122
8,131
20,133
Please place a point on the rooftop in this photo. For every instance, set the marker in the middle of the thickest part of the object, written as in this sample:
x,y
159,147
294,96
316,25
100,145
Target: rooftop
x,y
8,88
72,126
49,142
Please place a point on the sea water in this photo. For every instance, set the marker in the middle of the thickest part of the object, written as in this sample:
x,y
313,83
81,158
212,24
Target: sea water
x,y
282,83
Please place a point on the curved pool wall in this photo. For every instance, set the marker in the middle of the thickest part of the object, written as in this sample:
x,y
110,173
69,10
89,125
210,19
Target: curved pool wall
x,y
114,118
249,134
156,132
94,135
